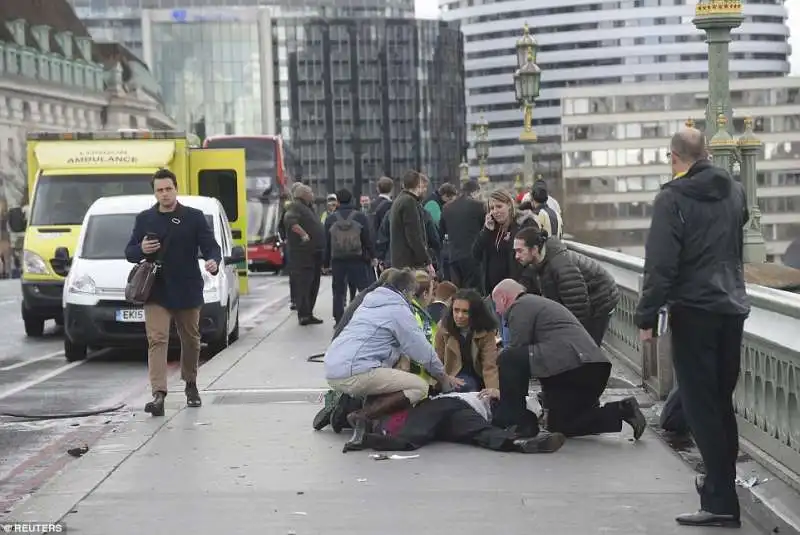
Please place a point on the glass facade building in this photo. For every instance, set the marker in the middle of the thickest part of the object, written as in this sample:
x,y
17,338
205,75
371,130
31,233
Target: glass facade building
x,y
121,20
210,72
354,98
364,98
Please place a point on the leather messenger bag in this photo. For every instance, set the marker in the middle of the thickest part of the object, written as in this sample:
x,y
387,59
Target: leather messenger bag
x,y
143,275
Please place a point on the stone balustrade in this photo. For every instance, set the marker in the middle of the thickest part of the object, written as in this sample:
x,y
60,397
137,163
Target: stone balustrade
x,y
767,399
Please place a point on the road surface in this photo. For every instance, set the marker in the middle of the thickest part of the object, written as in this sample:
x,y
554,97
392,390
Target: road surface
x,y
36,379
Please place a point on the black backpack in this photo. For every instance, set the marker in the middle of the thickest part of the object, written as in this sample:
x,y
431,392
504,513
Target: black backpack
x,y
346,237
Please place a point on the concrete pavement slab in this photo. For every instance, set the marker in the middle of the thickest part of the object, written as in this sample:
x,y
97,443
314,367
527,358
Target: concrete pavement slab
x,y
249,460
244,466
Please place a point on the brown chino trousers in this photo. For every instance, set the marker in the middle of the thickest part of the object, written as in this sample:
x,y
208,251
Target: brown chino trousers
x,y
157,323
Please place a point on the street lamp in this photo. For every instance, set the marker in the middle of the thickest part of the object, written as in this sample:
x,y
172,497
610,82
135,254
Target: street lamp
x,y
717,18
527,80
464,166
482,147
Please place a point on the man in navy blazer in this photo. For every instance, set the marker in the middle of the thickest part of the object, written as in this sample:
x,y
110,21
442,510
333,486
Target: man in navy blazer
x,y
178,289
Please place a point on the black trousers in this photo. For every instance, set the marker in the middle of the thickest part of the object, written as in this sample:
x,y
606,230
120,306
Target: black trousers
x,y
597,327
306,286
347,274
446,420
706,353
466,273
572,398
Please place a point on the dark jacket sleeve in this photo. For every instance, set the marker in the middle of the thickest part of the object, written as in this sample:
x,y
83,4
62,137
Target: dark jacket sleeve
x,y
442,225
209,248
529,278
662,252
572,290
411,219
326,261
482,243
432,233
382,241
366,235
133,251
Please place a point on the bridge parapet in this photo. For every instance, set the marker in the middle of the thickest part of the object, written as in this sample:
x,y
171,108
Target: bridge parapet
x,y
767,398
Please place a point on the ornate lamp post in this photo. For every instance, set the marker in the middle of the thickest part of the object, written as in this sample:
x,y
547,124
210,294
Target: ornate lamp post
x,y
464,167
482,147
526,86
717,18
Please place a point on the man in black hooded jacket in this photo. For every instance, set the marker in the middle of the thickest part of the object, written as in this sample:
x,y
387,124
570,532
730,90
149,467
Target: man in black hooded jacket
x,y
694,264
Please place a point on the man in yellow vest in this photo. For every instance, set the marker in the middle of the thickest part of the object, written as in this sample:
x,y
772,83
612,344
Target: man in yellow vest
x,y
331,204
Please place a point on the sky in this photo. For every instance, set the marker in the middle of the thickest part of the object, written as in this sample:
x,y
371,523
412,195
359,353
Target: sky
x,y
429,9
794,27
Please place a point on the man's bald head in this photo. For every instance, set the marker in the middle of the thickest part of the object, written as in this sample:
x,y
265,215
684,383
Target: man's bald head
x,y
505,293
687,147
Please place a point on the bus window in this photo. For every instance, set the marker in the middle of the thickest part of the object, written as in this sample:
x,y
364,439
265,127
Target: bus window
x,y
221,184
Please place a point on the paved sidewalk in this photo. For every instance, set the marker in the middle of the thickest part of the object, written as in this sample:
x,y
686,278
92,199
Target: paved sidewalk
x,y
249,462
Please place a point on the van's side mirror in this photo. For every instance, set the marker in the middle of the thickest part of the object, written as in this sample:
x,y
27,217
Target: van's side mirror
x,y
61,261
16,220
237,255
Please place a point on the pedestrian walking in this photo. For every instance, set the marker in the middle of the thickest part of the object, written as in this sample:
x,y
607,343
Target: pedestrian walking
x,y
693,264
306,238
172,234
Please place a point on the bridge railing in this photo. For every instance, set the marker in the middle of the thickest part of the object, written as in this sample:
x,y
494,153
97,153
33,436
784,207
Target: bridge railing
x,y
767,398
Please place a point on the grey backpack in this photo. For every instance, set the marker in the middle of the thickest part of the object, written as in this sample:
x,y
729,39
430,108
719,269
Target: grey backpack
x,y
346,237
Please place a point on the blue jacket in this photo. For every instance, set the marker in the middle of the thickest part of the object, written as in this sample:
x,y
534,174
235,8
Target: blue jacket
x,y
382,329
180,283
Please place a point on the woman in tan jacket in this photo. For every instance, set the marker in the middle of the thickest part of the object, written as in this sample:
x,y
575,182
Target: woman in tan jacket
x,y
466,343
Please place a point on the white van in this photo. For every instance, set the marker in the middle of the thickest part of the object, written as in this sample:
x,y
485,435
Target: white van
x,y
96,314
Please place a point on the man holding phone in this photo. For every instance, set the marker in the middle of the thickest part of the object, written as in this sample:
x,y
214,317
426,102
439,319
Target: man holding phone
x,y
171,234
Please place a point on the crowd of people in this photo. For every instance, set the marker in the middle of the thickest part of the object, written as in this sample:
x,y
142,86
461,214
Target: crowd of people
x,y
457,304
453,300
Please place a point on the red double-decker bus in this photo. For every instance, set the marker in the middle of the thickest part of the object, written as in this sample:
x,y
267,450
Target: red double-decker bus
x,y
268,179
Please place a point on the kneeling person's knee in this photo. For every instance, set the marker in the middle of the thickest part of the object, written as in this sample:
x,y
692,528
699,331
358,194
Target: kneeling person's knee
x,y
416,392
513,357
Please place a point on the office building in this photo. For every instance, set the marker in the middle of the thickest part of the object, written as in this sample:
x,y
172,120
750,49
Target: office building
x,y
615,155
354,98
592,43
121,20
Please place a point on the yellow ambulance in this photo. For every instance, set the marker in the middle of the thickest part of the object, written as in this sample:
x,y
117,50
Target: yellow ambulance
x,y
68,171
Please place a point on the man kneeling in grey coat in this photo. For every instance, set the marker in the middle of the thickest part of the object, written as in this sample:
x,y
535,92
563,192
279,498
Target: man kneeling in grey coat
x,y
547,342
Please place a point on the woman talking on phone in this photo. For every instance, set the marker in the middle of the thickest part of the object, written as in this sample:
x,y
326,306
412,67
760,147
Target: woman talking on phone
x,y
494,246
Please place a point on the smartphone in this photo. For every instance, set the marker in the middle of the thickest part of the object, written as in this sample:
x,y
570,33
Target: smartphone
x,y
151,236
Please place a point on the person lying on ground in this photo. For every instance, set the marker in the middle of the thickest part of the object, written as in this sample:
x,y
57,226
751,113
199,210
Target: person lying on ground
x,y
464,418
359,361
466,343
548,342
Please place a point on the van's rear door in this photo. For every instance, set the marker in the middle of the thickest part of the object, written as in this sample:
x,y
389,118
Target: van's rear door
x,y
220,173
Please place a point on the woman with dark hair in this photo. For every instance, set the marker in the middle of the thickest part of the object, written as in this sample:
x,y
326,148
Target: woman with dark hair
x,y
466,343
